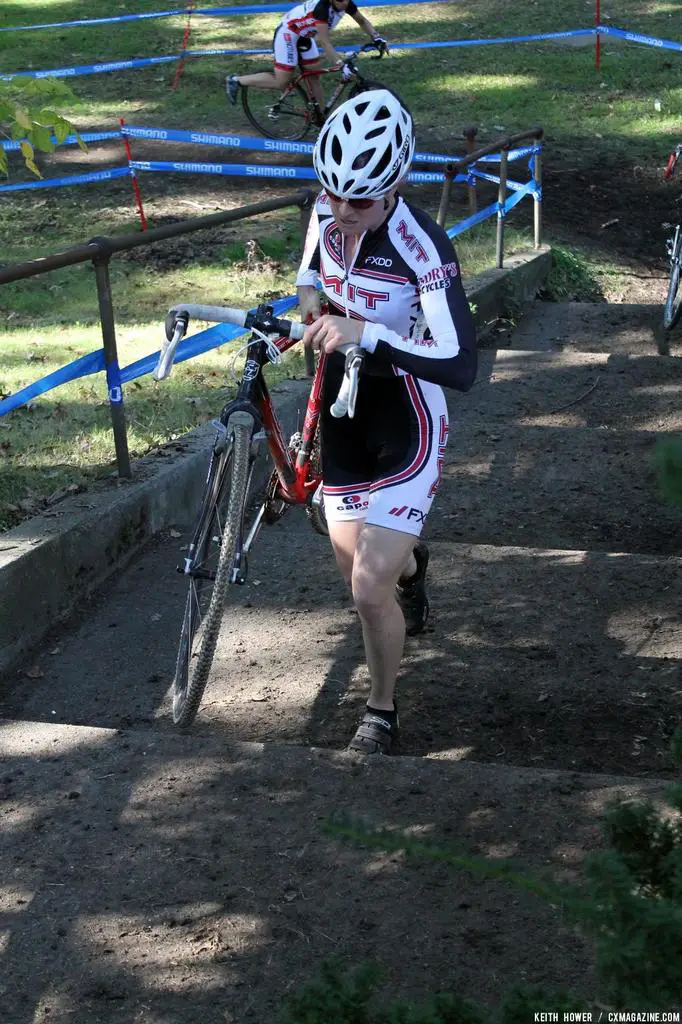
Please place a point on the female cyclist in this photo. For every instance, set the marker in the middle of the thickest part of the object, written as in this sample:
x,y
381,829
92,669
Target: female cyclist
x,y
392,281
296,37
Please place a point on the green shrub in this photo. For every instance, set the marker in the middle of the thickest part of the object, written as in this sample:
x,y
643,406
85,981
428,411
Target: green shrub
x,y
629,904
571,278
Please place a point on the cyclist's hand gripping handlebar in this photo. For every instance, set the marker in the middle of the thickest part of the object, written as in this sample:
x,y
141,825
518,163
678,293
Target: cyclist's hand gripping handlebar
x,y
348,392
266,323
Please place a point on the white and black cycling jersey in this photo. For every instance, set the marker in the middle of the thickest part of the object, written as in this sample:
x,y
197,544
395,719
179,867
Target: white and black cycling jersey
x,y
404,281
303,19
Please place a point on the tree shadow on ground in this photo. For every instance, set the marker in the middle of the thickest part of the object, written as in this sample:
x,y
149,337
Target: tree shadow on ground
x,y
190,880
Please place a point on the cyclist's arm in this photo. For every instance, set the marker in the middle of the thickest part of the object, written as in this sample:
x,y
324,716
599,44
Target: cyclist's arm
x,y
442,345
309,270
366,25
324,39
309,302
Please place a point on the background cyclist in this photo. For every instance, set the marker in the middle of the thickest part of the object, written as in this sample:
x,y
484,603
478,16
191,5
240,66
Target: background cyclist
x,y
297,34
391,278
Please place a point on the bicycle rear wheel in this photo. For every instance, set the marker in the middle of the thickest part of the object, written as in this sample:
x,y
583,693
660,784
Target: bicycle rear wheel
x,y
673,302
213,562
278,115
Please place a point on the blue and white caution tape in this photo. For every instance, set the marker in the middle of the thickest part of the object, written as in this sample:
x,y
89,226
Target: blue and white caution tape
x,y
637,37
95,21
262,170
90,69
469,222
70,140
494,41
531,188
243,170
116,377
75,179
91,363
199,343
513,186
180,12
126,65
281,146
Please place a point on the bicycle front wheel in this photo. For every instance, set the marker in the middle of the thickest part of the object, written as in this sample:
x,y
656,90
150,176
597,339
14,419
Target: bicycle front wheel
x,y
213,564
673,302
285,115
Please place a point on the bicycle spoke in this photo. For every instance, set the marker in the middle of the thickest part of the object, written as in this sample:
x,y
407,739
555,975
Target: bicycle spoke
x,y
278,116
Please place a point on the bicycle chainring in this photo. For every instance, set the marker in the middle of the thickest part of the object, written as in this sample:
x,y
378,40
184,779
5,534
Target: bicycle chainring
x,y
274,507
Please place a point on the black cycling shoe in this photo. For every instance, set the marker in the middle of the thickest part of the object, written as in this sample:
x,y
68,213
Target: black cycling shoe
x,y
411,594
374,735
232,89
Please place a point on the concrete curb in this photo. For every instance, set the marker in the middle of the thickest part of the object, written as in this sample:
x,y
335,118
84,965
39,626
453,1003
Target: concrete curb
x,y
511,290
55,561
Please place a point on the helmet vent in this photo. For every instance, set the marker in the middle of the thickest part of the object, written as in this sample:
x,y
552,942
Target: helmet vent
x,y
362,160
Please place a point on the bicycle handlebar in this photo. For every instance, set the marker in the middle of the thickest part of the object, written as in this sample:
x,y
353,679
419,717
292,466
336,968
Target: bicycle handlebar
x,y
363,49
177,322
348,392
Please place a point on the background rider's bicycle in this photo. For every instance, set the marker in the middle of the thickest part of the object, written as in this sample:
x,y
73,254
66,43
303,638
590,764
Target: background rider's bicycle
x,y
230,515
292,113
673,302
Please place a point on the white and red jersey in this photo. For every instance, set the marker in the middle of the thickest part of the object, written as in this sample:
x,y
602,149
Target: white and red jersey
x,y
404,281
304,19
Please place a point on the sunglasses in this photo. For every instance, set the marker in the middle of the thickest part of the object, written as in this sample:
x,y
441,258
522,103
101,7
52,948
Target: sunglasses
x,y
355,204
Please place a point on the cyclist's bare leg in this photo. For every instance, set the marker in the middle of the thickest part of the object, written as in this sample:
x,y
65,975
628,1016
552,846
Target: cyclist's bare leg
x,y
314,84
277,79
372,559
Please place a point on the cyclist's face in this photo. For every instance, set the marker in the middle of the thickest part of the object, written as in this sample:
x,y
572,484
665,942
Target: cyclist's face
x,y
352,220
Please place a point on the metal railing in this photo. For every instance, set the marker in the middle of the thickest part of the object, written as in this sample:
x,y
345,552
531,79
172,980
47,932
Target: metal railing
x,y
100,250
502,146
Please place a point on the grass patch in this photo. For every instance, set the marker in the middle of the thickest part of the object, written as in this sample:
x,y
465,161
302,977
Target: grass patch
x,y
572,278
50,320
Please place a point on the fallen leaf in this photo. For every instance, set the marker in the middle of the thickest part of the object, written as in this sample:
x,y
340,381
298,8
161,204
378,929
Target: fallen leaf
x,y
34,673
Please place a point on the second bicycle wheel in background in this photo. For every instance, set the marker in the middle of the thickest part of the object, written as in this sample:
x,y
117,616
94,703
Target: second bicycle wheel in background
x,y
278,115
673,302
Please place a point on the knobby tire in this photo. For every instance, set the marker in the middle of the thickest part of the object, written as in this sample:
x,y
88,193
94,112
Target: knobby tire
x,y
673,302
192,671
293,121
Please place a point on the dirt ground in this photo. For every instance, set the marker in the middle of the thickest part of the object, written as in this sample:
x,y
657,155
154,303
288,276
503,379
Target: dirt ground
x,y
165,879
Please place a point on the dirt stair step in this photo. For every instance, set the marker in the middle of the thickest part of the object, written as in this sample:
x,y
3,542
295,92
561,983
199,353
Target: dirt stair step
x,y
546,658
193,873
633,328
557,449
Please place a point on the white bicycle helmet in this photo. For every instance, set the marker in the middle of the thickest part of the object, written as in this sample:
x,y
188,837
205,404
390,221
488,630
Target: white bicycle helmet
x,y
365,147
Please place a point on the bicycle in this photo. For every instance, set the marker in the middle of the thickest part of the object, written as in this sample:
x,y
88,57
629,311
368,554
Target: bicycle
x,y
673,303
294,111
230,518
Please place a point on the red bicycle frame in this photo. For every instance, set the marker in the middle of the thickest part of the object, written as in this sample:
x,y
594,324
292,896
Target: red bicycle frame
x,y
296,483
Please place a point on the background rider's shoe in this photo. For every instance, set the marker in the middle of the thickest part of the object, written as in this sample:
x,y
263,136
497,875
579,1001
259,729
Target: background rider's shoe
x,y
232,88
411,594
